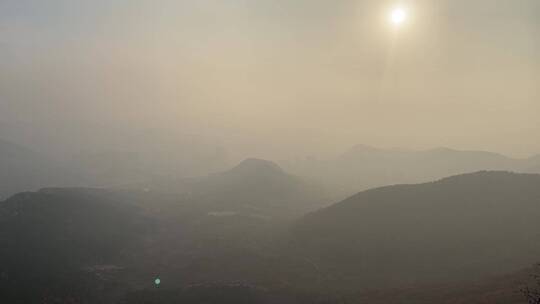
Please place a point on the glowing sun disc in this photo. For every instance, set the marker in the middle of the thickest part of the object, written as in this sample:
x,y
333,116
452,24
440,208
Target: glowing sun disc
x,y
398,16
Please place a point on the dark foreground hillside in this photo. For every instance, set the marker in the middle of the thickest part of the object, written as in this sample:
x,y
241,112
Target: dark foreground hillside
x,y
53,242
505,289
459,228
399,244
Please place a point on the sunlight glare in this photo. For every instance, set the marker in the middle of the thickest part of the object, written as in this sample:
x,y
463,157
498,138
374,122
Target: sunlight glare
x,y
398,16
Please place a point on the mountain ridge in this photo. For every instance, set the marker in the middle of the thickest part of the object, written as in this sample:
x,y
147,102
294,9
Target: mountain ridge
x,y
22,169
470,225
365,167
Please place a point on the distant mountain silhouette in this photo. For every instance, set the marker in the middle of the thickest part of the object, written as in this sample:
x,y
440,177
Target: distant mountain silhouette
x,y
254,166
22,169
255,186
253,179
364,167
533,164
462,227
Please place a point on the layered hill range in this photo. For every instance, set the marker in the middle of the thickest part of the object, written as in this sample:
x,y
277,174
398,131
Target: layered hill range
x,y
361,168
364,167
71,240
254,186
77,241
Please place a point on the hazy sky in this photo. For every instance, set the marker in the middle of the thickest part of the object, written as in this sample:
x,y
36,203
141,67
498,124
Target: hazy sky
x,y
275,78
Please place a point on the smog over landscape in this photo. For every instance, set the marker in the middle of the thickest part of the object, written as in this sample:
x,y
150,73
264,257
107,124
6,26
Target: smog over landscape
x,y
269,151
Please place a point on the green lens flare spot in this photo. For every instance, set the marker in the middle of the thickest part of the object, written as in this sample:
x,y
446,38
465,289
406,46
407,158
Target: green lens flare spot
x,y
157,281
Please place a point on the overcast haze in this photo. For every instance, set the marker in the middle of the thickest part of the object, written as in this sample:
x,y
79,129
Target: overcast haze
x,y
269,151
271,78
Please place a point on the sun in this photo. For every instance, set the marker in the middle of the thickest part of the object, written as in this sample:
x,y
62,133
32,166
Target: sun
x,y
398,16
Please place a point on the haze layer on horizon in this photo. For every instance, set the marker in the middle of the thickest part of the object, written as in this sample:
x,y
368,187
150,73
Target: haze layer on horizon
x,y
272,78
